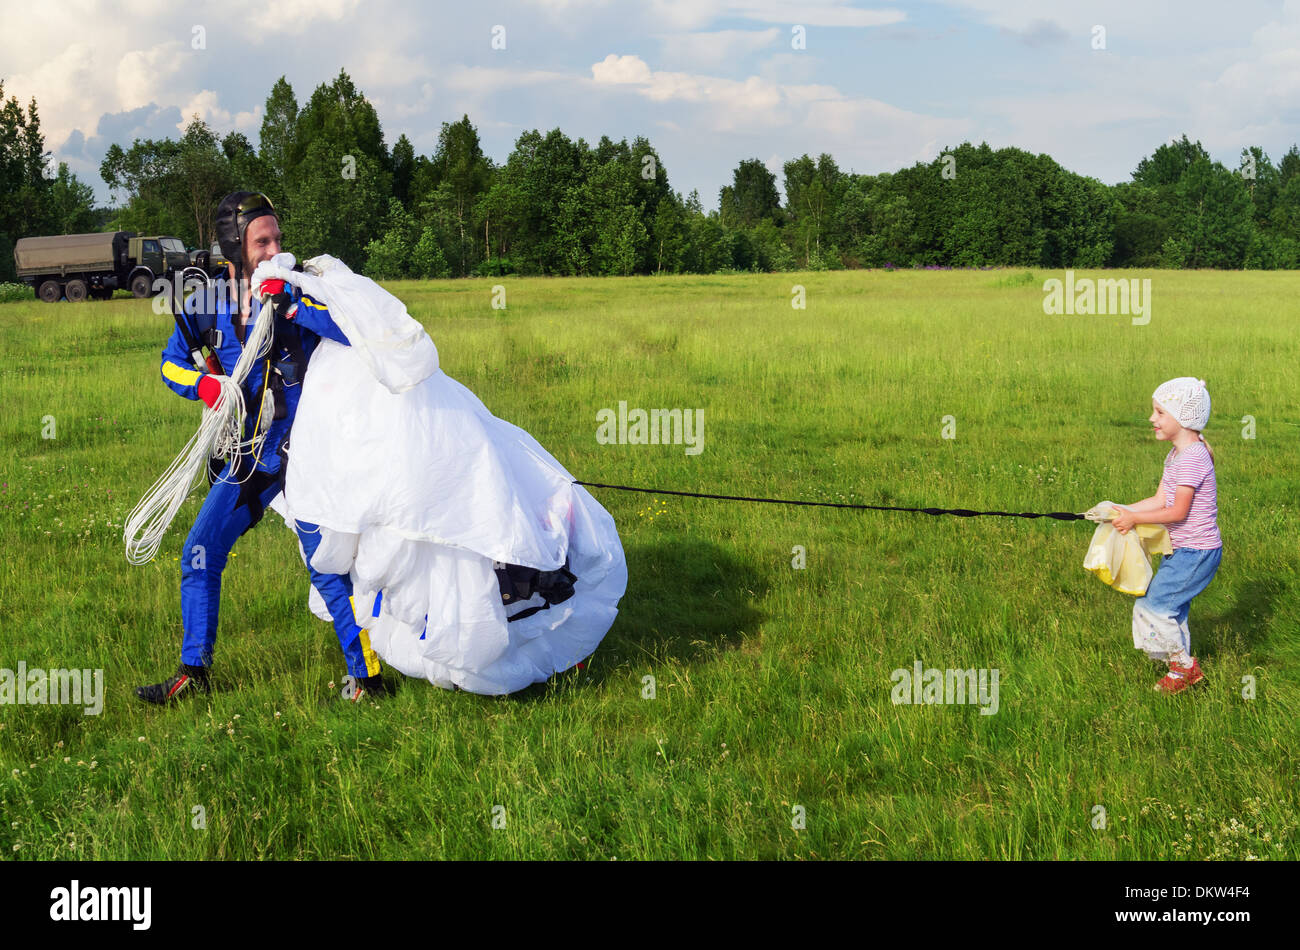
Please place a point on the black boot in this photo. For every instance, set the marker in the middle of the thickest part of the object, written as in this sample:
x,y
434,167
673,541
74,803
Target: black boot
x,y
187,679
368,687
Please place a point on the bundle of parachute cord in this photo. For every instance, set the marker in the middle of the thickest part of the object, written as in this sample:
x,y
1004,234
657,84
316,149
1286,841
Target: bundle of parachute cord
x,y
219,434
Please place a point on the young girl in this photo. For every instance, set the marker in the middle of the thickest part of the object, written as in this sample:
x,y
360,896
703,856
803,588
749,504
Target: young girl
x,y
1187,502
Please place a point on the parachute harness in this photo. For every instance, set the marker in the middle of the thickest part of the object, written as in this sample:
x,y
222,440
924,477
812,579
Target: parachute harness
x,y
219,434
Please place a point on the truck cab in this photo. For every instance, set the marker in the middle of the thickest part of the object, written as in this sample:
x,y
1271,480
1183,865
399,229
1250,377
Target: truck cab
x,y
169,250
153,256
147,252
212,260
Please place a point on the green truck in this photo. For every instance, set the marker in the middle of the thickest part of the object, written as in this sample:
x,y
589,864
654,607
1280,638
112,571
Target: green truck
x,y
212,261
94,265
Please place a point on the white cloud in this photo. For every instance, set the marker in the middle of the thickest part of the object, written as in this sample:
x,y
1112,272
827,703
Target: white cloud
x,y
1272,72
1077,16
142,75
566,6
621,69
250,123
82,59
205,105
1041,32
1168,69
406,107
1175,23
269,22
827,13
715,79
694,14
717,47
754,96
791,67
485,80
66,87
790,118
384,68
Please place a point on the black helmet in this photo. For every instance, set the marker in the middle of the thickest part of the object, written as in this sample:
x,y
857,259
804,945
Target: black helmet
x,y
234,213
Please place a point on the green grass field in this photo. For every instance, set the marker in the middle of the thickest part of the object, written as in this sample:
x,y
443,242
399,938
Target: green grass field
x,y
772,705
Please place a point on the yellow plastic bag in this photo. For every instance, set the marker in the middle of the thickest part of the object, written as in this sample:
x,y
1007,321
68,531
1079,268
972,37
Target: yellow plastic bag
x,y
1123,561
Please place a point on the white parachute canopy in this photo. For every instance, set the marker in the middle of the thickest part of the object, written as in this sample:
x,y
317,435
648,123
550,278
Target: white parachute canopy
x,y
420,492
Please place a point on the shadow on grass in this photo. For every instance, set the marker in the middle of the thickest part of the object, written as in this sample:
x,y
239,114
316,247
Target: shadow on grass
x,y
684,602
1247,621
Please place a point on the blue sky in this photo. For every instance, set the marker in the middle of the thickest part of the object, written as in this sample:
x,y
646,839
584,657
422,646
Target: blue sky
x,y
709,82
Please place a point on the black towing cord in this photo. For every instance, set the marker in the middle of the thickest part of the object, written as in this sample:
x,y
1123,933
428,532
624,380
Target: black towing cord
x,y
959,512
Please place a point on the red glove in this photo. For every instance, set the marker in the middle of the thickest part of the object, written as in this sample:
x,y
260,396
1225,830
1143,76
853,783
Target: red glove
x,y
280,298
209,390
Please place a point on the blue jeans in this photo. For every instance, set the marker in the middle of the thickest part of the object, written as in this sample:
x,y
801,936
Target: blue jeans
x,y
230,510
1160,618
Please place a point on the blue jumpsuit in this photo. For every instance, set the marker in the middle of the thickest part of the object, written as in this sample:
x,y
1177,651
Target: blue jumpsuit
x,y
237,499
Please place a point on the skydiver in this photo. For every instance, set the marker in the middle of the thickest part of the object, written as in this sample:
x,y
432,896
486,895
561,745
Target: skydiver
x,y
249,233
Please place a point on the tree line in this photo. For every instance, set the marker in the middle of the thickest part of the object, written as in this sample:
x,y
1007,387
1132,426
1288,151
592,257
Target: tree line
x,y
32,202
562,206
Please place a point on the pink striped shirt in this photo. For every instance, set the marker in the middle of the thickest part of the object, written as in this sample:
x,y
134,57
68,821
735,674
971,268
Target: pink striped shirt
x,y
1193,466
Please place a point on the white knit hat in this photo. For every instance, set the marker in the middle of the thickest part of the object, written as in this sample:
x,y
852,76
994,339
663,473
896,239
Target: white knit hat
x,y
1187,400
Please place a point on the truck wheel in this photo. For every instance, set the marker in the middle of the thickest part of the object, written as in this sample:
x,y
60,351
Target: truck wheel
x,y
76,291
50,291
140,286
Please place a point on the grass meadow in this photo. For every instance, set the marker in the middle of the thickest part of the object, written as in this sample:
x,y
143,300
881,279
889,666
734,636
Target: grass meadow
x,y
771,732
